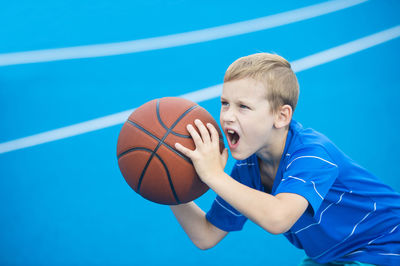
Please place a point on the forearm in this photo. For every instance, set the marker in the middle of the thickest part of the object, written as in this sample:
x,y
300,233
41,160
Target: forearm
x,y
272,213
193,221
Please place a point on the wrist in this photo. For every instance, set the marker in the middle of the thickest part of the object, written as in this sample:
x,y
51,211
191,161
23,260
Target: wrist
x,y
214,179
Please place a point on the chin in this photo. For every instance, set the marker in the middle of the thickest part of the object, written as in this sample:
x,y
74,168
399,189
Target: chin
x,y
239,156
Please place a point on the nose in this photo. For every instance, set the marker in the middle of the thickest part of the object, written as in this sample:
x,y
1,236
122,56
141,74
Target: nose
x,y
227,115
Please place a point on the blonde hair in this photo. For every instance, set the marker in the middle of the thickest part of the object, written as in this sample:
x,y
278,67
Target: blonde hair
x,y
273,71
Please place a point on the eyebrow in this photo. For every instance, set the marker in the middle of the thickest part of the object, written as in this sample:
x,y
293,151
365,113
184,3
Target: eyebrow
x,y
240,101
245,103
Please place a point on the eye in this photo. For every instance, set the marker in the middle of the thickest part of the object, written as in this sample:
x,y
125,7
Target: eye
x,y
224,103
242,106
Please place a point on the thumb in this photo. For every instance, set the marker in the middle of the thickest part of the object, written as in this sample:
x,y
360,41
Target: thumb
x,y
224,157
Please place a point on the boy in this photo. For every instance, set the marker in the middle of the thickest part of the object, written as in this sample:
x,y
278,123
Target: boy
x,y
287,179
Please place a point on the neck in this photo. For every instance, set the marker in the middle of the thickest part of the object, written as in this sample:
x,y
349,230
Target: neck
x,y
271,155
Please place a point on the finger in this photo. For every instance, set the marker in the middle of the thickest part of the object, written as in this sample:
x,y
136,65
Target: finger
x,y
205,135
195,135
214,134
184,150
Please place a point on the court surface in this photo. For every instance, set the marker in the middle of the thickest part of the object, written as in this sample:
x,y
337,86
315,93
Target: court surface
x,y
72,71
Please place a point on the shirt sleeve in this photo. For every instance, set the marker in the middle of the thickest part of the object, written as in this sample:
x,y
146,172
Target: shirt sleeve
x,y
223,215
310,172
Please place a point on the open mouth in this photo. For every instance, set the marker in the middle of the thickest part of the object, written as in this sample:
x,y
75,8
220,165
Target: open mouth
x,y
233,138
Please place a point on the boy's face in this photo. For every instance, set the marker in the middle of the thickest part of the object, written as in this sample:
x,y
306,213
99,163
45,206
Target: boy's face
x,y
246,118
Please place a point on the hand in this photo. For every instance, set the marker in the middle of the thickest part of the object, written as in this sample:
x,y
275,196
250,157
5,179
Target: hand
x,y
206,158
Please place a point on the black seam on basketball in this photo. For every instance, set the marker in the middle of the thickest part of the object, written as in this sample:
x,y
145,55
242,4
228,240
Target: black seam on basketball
x,y
158,115
147,164
169,180
145,167
161,142
165,126
156,138
180,117
180,135
174,133
134,149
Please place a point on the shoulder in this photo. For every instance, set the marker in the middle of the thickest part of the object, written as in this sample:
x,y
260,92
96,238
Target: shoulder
x,y
309,140
306,136
307,146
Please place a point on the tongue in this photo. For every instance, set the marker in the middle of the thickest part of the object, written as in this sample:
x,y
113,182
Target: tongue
x,y
234,138
234,141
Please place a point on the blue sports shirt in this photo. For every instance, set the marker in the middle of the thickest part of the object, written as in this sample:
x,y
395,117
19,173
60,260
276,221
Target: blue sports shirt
x,y
352,216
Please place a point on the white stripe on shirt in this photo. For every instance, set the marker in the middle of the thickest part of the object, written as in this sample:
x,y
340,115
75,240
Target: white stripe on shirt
x,y
216,200
391,231
316,190
243,164
320,217
302,180
305,182
315,157
345,239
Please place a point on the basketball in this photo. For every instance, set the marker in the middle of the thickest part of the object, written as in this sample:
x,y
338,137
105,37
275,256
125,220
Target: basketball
x,y
146,152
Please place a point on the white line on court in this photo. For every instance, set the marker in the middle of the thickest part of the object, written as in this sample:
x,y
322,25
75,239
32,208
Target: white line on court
x,y
346,49
200,95
174,40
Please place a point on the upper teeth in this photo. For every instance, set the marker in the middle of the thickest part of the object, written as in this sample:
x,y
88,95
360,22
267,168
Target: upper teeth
x,y
230,131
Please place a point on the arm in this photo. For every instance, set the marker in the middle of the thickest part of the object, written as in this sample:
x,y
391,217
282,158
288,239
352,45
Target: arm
x,y
275,214
193,221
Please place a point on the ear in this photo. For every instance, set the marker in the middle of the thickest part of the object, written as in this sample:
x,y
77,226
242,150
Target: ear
x,y
283,116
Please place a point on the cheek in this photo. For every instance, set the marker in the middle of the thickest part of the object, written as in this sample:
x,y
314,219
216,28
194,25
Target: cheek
x,y
260,131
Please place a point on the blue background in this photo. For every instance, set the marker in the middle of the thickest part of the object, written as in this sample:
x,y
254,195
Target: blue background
x,y
65,202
